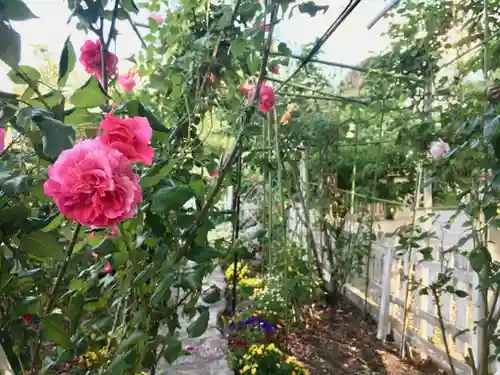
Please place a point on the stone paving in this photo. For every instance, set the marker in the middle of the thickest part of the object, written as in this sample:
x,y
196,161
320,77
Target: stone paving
x,y
210,354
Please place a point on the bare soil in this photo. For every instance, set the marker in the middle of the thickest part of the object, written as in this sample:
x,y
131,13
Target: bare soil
x,y
340,342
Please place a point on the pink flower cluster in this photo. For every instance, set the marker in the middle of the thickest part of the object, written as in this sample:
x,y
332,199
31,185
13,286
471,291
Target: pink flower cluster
x,y
267,96
90,58
93,183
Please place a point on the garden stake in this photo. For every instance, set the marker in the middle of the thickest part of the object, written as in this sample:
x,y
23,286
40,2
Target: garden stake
x,y
270,203
372,213
416,198
235,207
282,209
350,67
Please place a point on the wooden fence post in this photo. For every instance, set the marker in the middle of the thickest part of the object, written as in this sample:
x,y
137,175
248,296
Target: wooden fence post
x,y
229,198
385,299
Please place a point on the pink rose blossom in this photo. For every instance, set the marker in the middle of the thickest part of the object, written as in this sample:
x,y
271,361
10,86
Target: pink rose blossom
x,y
127,81
158,18
267,98
90,58
26,318
108,268
130,136
275,69
94,185
438,149
244,89
212,77
2,140
249,83
263,25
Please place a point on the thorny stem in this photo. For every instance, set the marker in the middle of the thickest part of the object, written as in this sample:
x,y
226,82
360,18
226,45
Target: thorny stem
x,y
437,300
136,30
416,199
53,293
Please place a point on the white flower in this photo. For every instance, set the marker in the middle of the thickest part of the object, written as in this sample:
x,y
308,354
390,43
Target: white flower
x,y
439,149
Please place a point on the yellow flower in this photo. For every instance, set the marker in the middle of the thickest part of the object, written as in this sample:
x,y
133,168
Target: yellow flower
x,y
245,369
294,373
254,371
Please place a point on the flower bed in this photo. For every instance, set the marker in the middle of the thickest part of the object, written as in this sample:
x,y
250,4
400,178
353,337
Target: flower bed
x,y
255,337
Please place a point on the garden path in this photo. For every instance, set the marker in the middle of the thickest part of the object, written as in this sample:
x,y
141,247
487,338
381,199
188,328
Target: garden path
x,y
209,354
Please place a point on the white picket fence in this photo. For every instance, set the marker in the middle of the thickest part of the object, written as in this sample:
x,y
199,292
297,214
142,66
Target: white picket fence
x,y
387,283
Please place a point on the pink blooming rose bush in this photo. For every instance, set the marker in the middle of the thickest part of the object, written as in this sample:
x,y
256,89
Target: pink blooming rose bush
x,y
267,97
439,149
90,58
130,136
94,185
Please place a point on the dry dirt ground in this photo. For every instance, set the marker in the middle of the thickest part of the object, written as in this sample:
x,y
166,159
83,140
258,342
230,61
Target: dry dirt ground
x,y
340,342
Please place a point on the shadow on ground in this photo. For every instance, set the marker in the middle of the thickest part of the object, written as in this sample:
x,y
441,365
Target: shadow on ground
x,y
339,341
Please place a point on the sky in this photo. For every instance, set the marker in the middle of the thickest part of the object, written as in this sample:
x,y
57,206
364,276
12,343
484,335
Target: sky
x,y
350,44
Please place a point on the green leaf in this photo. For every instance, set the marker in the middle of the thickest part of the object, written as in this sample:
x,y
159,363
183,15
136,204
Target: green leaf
x,y
53,326
238,47
461,293
66,62
161,290
90,95
56,135
107,246
284,50
198,187
41,245
173,349
311,8
199,326
130,6
6,114
131,340
24,73
212,296
171,198
118,366
13,217
200,254
225,19
10,45
478,259
15,10
158,174
253,62
136,108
